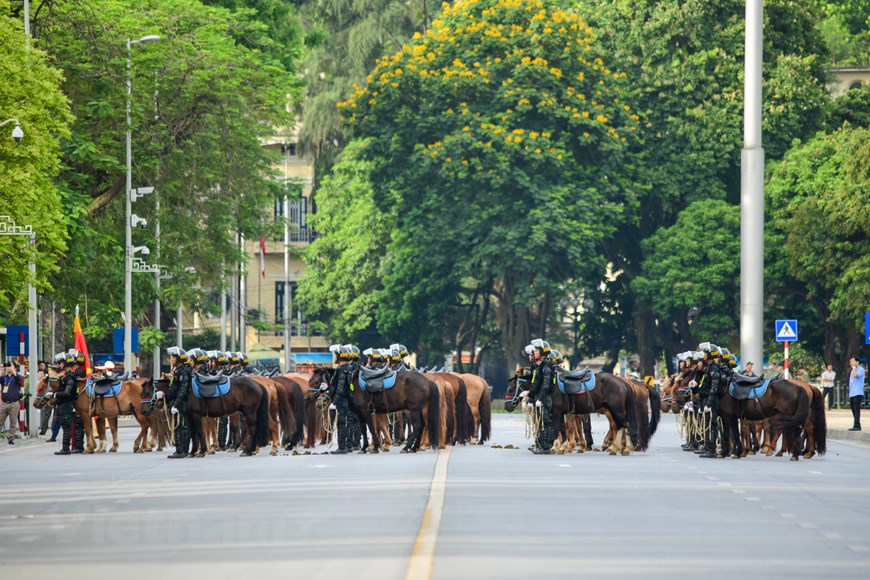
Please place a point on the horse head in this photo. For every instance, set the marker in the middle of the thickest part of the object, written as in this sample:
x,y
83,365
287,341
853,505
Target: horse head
x,y
43,388
517,385
153,393
320,379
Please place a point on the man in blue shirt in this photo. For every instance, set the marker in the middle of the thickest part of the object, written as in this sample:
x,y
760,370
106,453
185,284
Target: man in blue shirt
x,y
856,391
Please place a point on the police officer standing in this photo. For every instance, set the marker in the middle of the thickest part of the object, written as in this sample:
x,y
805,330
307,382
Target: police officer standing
x,y
339,394
179,388
709,396
65,399
353,419
540,394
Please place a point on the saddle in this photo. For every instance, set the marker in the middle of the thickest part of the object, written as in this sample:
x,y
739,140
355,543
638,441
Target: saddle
x,y
108,387
376,380
208,386
743,387
574,382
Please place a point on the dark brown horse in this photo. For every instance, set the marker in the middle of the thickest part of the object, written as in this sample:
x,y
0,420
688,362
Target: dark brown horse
x,y
245,395
294,395
610,394
784,404
412,392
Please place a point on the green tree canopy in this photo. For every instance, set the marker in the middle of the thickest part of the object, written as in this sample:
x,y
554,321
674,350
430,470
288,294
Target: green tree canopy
x,y
499,137
29,92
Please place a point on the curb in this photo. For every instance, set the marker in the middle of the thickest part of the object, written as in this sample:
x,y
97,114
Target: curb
x,y
861,437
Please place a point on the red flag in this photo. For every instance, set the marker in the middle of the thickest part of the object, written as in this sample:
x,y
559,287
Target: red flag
x,y
263,256
82,347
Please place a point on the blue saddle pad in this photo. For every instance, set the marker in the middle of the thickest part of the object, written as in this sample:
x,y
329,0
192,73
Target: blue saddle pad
x,y
753,393
210,390
377,384
576,388
92,390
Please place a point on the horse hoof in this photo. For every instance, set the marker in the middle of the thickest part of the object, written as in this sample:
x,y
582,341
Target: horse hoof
x,y
404,451
374,451
244,454
211,452
626,453
793,458
113,450
138,451
807,456
273,453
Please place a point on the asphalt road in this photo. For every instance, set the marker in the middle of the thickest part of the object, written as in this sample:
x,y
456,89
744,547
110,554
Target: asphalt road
x,y
479,512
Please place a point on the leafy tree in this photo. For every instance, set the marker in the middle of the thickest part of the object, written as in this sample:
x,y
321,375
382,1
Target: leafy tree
x,y
499,137
685,62
693,264
29,92
204,99
852,107
344,265
817,197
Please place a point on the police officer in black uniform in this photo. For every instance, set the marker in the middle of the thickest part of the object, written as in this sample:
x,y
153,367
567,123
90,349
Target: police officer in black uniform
x,y
709,396
540,395
65,398
353,419
217,363
179,388
339,394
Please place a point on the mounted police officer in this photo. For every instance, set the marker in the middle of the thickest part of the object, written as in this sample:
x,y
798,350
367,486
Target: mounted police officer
x,y
179,388
65,398
540,394
709,396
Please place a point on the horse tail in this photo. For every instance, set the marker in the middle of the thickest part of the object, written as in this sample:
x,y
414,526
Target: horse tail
x,y
485,409
297,401
655,403
434,416
631,415
462,412
261,436
285,414
791,422
311,417
821,426
640,401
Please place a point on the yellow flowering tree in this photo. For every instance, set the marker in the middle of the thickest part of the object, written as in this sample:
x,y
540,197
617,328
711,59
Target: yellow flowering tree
x,y
499,136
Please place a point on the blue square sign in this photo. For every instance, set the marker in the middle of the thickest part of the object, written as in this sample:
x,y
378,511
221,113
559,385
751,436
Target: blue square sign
x,y
786,331
867,328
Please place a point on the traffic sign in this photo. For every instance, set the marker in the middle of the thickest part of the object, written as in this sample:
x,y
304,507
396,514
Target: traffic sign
x,y
867,328
786,331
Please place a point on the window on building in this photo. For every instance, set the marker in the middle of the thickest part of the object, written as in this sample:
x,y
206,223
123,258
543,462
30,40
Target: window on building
x,y
855,85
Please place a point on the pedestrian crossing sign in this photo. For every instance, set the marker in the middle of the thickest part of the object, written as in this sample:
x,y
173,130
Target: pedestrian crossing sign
x,y
786,330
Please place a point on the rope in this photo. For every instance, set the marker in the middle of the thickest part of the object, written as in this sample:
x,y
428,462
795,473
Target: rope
x,y
172,422
534,420
329,425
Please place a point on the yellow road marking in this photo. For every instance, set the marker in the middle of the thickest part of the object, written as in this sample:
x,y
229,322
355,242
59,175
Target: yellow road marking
x,y
423,554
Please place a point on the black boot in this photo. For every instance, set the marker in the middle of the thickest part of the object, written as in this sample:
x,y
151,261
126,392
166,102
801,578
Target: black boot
x,y
62,452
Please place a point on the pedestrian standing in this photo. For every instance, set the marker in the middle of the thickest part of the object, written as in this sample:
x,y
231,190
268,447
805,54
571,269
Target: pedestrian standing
x,y
856,391
11,387
828,377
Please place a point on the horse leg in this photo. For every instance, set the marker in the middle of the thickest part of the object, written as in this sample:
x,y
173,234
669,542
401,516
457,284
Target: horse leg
x,y
414,432
810,428
368,420
113,425
100,424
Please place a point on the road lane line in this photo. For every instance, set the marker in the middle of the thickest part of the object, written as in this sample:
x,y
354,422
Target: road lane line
x,y
423,554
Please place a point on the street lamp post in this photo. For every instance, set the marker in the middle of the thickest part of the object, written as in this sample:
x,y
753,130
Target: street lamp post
x,y
9,228
129,198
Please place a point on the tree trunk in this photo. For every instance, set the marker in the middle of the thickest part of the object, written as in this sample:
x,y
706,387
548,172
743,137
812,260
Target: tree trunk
x,y
646,338
512,318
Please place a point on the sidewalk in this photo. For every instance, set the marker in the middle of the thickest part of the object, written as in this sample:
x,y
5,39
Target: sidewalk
x,y
839,422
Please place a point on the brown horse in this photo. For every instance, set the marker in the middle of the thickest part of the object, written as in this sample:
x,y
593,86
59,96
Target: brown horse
x,y
784,404
245,395
480,403
611,393
293,395
411,391
815,427
126,402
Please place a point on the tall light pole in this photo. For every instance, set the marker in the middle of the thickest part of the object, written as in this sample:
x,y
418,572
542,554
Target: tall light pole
x,y
752,193
129,198
27,26
9,228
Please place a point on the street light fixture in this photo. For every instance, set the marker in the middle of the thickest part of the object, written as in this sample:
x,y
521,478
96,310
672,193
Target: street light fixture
x,y
131,195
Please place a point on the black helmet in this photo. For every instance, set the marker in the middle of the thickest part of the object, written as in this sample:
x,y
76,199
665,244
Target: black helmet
x,y
243,358
198,356
556,357
178,352
394,355
233,358
78,357
376,355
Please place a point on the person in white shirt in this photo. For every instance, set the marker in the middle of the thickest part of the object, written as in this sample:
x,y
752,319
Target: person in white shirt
x,y
828,377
